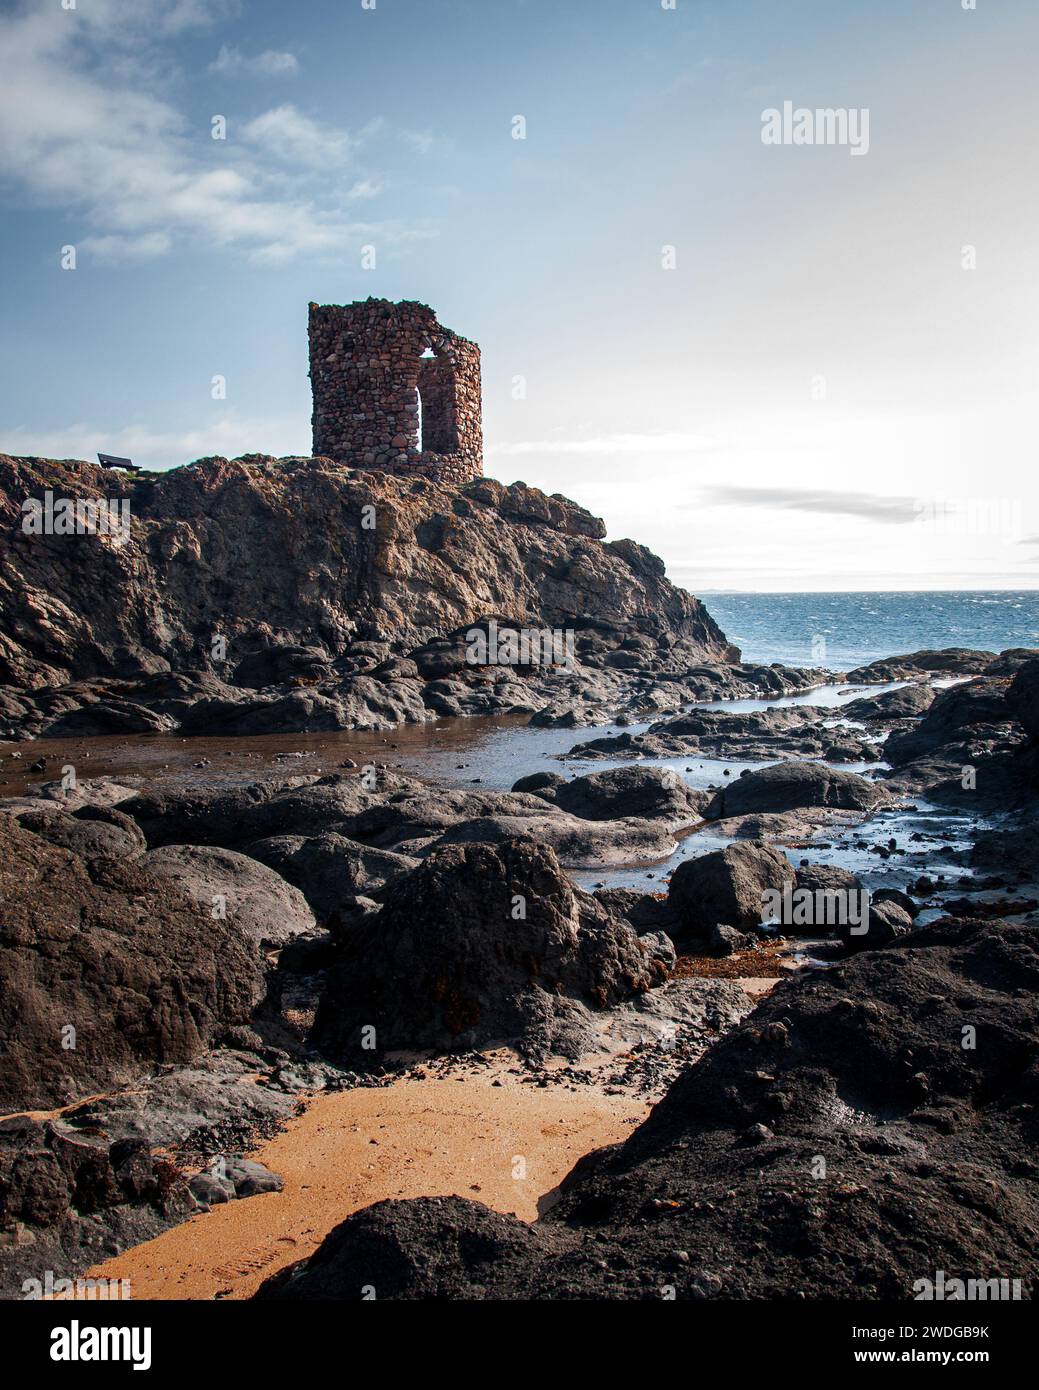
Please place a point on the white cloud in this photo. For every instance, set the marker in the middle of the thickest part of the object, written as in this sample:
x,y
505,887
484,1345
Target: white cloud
x,y
144,179
232,62
175,16
288,134
364,189
112,249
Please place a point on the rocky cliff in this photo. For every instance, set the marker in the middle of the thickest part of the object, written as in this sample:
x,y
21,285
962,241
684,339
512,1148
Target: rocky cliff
x,y
304,551
302,578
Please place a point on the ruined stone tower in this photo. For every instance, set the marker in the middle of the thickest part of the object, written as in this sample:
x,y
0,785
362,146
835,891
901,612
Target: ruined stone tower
x,y
394,390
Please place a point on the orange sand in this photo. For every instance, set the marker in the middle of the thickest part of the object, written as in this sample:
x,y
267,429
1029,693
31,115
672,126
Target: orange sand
x,y
417,1138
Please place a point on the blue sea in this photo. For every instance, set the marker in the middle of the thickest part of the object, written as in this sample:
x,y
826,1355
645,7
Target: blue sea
x,y
844,630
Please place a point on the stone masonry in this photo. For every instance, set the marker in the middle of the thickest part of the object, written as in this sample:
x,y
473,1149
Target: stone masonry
x,y
379,372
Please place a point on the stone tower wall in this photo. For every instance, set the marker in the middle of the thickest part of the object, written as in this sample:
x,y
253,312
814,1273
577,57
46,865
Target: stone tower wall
x,y
367,370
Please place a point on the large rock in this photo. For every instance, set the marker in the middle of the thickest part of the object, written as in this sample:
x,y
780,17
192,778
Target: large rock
x,y
477,945
791,786
726,887
200,814
123,958
255,900
462,1240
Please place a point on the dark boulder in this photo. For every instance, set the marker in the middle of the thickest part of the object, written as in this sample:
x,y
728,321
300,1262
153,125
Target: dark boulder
x,y
885,922
651,793
373,1249
900,899
469,948
791,786
1023,697
726,887
827,878
907,702
329,869
123,958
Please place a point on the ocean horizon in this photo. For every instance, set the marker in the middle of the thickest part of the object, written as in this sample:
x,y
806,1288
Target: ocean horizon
x,y
847,628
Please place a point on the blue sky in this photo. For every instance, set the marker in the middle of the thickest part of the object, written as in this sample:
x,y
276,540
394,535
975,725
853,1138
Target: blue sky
x,y
818,395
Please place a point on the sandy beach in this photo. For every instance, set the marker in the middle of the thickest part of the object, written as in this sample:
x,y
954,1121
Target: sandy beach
x,y
461,1136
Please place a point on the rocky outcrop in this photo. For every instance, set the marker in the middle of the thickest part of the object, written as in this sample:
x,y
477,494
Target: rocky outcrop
x,y
950,661
105,970
407,817
224,560
977,708
840,1143
482,943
